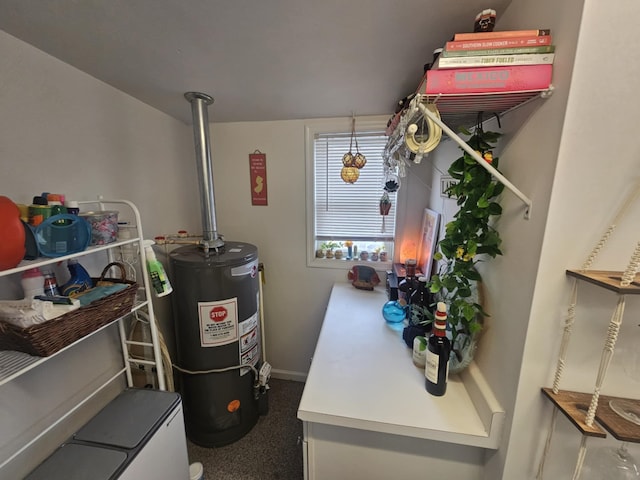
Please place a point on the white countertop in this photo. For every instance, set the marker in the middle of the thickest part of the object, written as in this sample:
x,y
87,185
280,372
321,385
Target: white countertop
x,y
362,376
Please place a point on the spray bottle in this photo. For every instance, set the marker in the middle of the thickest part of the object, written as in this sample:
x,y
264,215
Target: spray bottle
x,y
159,279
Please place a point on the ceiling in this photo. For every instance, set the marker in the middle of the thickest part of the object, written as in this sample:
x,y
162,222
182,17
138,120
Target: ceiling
x,y
259,59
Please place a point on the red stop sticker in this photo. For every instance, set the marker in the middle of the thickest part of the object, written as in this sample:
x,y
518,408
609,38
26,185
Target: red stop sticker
x,y
218,314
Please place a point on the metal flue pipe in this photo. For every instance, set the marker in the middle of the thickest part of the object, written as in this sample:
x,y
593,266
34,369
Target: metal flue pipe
x,y
199,103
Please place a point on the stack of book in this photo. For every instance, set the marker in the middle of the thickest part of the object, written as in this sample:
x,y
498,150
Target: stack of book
x,y
484,62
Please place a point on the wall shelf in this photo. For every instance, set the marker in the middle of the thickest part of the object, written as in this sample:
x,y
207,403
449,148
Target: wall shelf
x,y
453,111
607,279
574,406
457,110
593,414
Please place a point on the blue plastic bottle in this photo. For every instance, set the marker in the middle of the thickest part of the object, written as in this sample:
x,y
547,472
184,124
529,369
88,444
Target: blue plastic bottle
x,y
80,279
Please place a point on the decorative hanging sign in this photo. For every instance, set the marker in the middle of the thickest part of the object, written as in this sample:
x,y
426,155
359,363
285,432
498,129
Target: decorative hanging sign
x,y
258,172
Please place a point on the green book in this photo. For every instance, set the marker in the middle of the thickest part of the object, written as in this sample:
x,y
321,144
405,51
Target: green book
x,y
499,51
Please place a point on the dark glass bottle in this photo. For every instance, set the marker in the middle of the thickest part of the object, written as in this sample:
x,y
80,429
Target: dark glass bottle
x,y
408,284
438,350
421,294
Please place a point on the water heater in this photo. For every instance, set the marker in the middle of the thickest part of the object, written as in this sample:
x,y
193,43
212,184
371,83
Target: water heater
x,y
216,317
215,302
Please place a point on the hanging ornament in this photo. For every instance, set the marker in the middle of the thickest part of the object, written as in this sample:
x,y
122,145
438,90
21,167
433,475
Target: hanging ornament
x,y
391,182
352,163
385,207
350,174
348,159
359,160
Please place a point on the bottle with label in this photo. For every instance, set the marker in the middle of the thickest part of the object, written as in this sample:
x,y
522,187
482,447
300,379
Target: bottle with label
x,y
438,350
80,279
419,355
159,279
420,303
32,283
51,285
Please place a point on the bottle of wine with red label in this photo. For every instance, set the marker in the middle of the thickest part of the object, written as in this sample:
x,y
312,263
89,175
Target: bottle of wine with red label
x,y
438,350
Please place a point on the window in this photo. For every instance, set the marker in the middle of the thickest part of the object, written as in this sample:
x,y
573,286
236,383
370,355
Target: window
x,y
338,211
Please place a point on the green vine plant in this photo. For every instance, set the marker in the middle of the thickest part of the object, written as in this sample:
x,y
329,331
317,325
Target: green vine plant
x,y
469,239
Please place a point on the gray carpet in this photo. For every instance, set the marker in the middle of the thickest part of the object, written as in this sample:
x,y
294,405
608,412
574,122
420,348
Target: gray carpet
x,y
272,450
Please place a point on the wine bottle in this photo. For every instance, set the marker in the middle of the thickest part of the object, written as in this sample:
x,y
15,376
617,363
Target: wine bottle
x,y
438,349
408,284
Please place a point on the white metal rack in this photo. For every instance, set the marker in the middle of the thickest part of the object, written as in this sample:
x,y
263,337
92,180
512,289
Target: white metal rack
x,y
13,364
454,110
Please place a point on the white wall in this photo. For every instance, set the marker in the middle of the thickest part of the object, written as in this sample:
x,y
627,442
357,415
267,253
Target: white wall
x,y
62,130
597,160
295,296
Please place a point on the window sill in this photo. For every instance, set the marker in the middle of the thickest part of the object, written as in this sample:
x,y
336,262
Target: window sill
x,y
342,264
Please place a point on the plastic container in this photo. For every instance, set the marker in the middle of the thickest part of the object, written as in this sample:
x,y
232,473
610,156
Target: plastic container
x,y
12,234
104,226
80,279
32,283
196,471
72,207
159,280
62,235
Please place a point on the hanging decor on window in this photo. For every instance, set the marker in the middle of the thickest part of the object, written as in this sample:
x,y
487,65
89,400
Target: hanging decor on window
x,y
385,208
352,163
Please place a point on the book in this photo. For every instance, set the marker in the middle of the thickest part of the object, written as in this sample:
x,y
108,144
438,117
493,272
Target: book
x,y
486,79
497,43
501,34
493,60
498,51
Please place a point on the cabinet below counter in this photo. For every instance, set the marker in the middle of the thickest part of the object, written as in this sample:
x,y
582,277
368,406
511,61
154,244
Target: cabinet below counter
x,y
364,396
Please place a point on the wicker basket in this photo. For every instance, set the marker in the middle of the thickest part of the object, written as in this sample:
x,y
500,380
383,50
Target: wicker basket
x,y
47,338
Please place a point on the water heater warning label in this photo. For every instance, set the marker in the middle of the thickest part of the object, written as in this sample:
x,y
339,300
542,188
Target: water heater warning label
x,y
218,322
249,347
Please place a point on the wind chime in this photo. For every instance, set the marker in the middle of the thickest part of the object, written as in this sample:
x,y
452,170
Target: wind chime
x,y
352,163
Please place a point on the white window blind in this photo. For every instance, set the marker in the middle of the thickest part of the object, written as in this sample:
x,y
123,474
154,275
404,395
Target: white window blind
x,y
346,211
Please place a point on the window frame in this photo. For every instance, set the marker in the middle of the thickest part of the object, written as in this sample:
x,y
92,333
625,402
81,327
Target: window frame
x,y
327,126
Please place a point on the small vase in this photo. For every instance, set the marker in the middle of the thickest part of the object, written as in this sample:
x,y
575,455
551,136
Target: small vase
x,y
374,257
319,253
329,254
461,360
364,256
383,256
338,254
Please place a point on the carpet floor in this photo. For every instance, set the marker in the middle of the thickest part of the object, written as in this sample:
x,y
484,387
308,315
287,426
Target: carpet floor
x,y
272,450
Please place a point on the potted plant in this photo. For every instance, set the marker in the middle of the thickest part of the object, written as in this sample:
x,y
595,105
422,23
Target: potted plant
x,y
469,239
329,246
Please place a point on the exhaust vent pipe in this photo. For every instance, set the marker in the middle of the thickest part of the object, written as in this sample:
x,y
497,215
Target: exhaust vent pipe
x,y
199,103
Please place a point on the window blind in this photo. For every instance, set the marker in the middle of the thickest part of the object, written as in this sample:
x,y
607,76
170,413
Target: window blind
x,y
350,211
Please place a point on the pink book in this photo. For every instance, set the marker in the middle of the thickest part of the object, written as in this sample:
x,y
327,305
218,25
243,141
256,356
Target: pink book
x,y
498,43
487,79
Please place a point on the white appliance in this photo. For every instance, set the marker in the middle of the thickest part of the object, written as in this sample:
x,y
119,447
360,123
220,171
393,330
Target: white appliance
x,y
140,434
